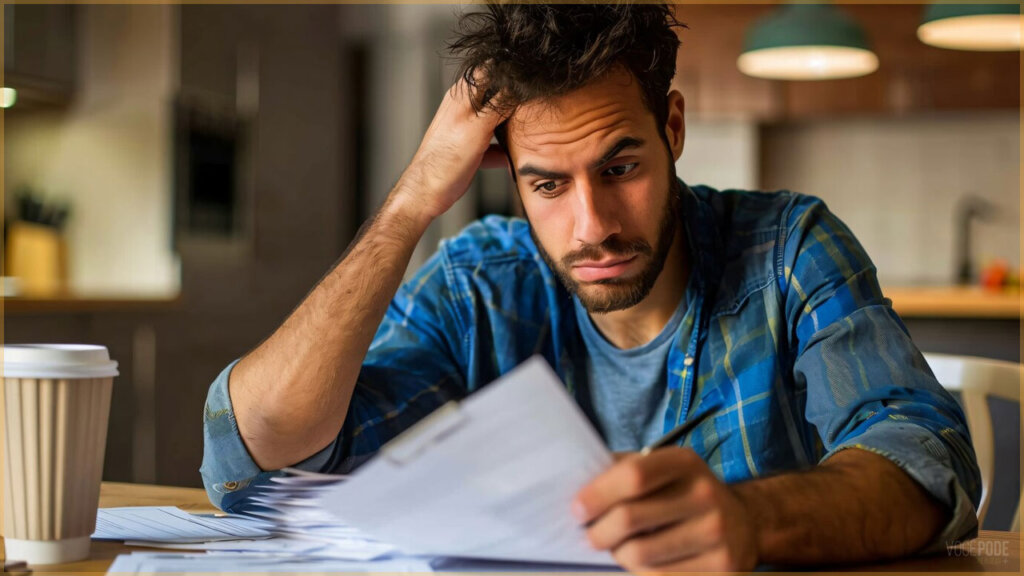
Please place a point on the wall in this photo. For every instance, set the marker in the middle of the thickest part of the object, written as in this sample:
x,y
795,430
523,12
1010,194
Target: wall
x,y
897,181
721,153
109,152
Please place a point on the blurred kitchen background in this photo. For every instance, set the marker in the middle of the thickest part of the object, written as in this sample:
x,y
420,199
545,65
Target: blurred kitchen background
x,y
176,178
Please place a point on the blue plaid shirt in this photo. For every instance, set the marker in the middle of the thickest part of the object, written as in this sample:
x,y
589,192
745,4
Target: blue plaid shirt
x,y
788,353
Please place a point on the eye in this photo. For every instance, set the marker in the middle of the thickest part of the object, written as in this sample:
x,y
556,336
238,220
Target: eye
x,y
546,188
621,169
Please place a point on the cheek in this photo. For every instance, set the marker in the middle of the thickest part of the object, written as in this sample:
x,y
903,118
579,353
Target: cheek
x,y
551,220
643,202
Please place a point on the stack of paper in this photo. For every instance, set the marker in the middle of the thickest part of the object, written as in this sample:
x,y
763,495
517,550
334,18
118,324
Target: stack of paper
x,y
167,524
492,477
169,527
156,562
291,504
481,485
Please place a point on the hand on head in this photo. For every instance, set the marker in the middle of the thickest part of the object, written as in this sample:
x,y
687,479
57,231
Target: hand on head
x,y
455,146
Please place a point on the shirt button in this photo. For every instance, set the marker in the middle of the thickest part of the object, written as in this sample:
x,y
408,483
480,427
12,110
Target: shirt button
x,y
688,361
231,485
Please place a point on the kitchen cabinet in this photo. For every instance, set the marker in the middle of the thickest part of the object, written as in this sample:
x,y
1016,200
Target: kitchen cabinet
x,y
966,320
912,76
39,52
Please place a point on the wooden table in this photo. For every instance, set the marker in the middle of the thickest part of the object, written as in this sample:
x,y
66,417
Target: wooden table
x,y
991,552
114,494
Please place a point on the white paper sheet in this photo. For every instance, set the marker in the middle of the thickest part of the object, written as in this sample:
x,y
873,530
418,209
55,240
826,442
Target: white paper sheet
x,y
170,524
357,549
492,477
157,562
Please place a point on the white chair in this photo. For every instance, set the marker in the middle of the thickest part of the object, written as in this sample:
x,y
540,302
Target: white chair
x,y
977,379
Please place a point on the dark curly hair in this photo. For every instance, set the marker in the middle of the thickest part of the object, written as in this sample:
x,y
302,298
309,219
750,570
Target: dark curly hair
x,y
511,54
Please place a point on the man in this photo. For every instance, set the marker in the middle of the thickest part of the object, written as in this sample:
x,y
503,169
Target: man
x,y
823,436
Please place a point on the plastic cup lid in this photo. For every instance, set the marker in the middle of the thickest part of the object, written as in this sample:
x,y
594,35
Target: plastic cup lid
x,y
57,361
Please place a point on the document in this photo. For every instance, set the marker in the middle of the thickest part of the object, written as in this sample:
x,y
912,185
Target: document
x,y
490,477
173,528
170,524
341,548
159,562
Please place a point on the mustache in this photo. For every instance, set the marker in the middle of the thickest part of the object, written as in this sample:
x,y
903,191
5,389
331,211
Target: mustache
x,y
613,246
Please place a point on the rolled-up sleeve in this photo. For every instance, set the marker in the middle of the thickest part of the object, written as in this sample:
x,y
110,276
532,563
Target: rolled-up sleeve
x,y
229,472
868,386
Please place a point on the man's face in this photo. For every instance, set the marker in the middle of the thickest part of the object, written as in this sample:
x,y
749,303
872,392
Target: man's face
x,y
598,187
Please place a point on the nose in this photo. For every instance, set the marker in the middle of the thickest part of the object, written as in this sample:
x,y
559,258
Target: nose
x,y
594,214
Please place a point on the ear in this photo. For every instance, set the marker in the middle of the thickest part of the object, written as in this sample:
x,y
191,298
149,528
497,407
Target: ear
x,y
675,123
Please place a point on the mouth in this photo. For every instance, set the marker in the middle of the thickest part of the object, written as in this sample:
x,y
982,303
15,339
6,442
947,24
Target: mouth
x,y
595,270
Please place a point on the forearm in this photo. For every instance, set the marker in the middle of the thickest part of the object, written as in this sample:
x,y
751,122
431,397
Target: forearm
x,y
856,506
290,394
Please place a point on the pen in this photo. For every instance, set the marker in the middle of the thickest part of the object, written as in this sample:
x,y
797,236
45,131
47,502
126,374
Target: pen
x,y
672,437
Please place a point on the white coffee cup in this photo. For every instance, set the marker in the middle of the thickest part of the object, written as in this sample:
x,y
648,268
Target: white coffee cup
x,y
56,407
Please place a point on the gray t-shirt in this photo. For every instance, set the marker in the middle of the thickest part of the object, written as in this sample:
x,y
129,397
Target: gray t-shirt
x,y
628,388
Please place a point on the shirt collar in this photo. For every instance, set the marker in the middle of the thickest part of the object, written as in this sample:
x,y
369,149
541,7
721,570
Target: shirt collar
x,y
702,237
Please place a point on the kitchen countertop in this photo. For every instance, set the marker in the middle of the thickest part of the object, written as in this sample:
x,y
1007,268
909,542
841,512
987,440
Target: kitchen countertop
x,y
954,302
908,301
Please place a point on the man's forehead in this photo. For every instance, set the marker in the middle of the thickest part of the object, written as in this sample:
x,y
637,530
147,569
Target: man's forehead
x,y
606,105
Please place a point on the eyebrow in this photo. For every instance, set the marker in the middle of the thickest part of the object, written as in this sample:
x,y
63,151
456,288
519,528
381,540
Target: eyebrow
x,y
622,144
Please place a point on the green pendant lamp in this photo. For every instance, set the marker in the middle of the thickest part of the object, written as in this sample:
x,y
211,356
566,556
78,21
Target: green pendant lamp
x,y
980,27
807,42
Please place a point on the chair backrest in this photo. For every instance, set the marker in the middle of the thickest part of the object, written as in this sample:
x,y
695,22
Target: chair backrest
x,y
977,379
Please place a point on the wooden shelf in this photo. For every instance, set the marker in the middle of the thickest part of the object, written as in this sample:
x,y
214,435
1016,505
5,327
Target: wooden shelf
x,y
954,302
83,304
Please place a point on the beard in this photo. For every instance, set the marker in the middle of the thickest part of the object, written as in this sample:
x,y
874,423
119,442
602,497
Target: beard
x,y
614,294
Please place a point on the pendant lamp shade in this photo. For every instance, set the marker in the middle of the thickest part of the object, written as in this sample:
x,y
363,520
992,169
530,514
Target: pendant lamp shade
x,y
807,42
979,27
